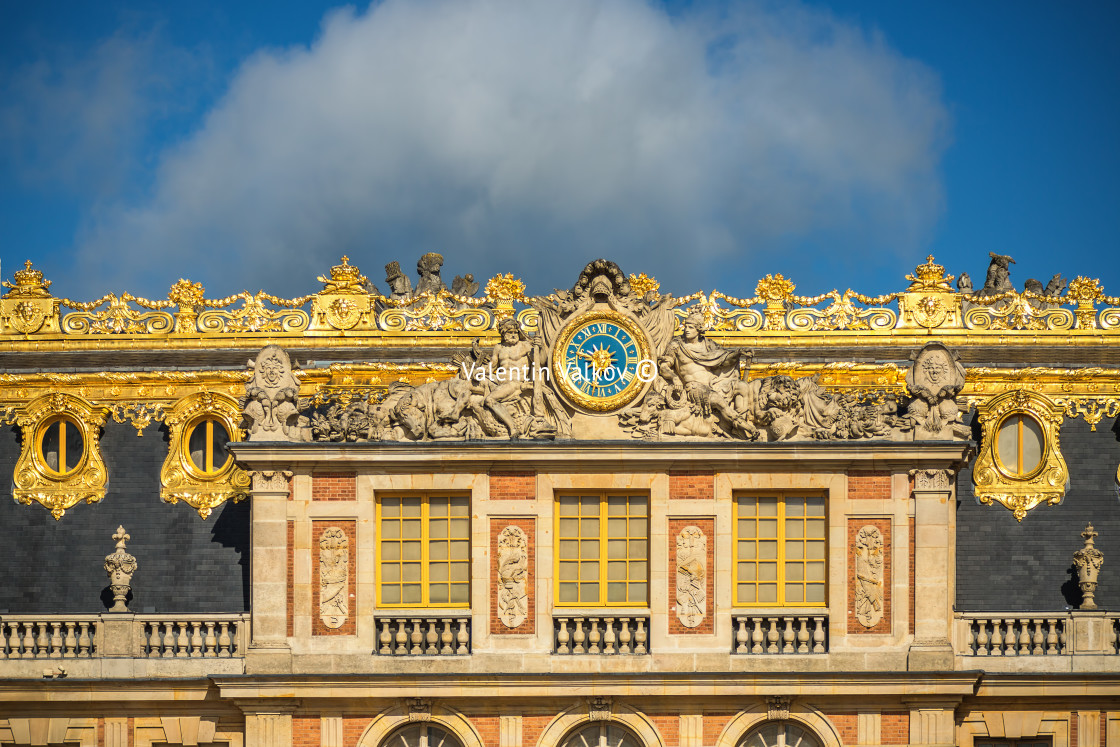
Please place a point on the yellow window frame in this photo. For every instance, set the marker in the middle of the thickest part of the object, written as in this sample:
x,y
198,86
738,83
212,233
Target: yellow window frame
x,y
603,558
781,498
208,470
425,560
64,422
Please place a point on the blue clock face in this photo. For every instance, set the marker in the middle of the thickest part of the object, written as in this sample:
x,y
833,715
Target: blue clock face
x,y
599,359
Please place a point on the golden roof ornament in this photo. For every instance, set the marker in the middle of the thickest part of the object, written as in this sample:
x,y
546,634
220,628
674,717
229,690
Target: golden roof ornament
x,y
930,277
641,284
345,278
186,295
29,284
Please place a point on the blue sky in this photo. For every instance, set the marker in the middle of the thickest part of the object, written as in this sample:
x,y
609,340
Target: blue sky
x,y
250,144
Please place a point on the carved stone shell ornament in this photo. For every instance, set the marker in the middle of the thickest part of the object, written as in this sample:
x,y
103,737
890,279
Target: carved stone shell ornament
x,y
334,577
868,552
513,569
692,576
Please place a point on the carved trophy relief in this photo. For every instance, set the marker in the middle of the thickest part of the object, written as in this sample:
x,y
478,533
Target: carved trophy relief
x,y
869,576
692,576
513,570
334,577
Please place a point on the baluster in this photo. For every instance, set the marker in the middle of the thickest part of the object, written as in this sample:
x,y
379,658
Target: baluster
x,y
183,643
152,639
624,636
608,636
741,635
432,638
578,638
1039,648
803,637
56,640
447,639
13,640
402,637
29,640
594,637
997,637
756,635
772,637
168,640
386,638
562,637
3,641
1062,637
819,624
463,637
83,640
640,637
69,642
416,638
226,634
1010,637
788,637
1024,638
982,637
210,643
43,641
196,640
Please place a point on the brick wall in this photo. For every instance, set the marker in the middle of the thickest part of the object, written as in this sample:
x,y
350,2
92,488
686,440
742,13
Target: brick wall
x,y
895,727
334,486
847,726
526,524
670,728
531,728
488,729
714,724
869,485
353,729
707,526
349,528
513,486
305,731
692,484
884,624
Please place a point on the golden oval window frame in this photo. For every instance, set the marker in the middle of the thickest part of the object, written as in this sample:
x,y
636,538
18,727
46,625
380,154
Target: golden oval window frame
x,y
1043,453
38,455
185,448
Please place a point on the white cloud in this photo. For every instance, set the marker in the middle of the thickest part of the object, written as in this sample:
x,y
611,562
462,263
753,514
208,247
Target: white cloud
x,y
533,136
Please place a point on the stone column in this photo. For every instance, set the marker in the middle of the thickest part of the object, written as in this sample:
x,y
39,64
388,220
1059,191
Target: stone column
x,y
268,723
269,651
934,571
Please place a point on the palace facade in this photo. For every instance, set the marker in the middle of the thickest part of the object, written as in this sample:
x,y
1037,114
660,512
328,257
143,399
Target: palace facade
x,y
609,516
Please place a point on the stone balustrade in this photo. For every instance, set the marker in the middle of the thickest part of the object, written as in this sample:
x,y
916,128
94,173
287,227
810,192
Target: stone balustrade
x,y
1014,635
144,636
49,637
579,634
183,637
430,635
781,633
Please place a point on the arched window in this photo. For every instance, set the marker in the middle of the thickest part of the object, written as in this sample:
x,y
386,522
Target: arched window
x,y
206,446
421,735
780,734
60,446
601,734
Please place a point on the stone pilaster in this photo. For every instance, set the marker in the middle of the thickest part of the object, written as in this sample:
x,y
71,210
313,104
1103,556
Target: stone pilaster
x,y
509,731
268,723
934,558
869,727
330,731
692,730
269,651
933,724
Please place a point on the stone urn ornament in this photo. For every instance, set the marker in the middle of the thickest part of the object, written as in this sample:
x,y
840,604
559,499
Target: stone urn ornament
x,y
120,566
1088,561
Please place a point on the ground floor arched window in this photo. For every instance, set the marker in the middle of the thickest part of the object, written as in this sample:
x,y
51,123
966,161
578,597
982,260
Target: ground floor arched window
x,y
780,734
421,735
602,734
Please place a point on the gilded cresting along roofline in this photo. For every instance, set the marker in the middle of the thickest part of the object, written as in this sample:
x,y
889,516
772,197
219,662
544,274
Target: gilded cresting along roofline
x,y
348,312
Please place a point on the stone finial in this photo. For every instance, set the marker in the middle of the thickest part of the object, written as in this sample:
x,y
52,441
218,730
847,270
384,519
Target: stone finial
x,y
120,566
1088,561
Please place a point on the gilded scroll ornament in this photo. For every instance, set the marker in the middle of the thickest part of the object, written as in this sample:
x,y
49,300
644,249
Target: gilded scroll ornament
x,y
868,552
777,292
334,577
692,576
118,317
1020,463
140,414
28,307
841,314
254,316
198,470
439,310
60,461
513,571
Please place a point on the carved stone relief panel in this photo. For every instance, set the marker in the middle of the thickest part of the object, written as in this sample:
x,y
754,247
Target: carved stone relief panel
x,y
692,576
513,570
868,559
334,577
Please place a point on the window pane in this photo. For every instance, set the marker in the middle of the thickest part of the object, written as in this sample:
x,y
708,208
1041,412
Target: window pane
x,y
768,593
1032,445
793,594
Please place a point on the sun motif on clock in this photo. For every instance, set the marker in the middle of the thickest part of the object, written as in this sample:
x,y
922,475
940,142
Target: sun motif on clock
x,y
598,361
